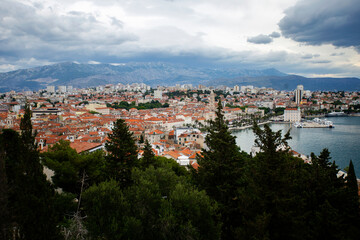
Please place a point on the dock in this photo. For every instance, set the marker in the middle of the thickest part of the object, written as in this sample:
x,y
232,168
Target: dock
x,y
314,125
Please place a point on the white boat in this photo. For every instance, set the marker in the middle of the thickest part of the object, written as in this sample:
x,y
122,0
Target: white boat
x,y
328,123
336,114
298,125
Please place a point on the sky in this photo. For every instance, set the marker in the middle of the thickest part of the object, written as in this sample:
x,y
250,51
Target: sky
x,y
313,38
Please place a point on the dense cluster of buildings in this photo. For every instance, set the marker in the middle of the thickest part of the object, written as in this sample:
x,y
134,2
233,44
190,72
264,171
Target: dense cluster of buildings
x,y
85,116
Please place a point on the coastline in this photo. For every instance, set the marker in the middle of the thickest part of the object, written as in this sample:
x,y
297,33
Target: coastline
x,y
250,126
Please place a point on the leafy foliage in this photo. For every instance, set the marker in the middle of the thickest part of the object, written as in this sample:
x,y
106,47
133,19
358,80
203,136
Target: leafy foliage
x,y
149,105
122,153
159,205
69,166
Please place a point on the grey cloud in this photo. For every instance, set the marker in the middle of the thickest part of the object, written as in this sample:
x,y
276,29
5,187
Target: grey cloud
x,y
117,22
310,56
274,35
27,33
321,61
337,54
260,39
316,22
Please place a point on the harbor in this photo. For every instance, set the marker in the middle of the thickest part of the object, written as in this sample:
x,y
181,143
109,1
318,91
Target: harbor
x,y
315,123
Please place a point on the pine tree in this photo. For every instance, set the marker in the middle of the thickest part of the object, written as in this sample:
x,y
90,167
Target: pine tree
x,y
141,138
31,195
351,181
329,199
27,130
352,211
220,171
122,153
148,156
270,142
272,199
4,217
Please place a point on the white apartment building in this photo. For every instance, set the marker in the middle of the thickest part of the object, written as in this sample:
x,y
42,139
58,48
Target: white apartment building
x,y
158,94
50,89
62,89
292,115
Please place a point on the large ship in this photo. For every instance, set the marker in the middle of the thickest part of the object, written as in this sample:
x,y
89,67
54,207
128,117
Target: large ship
x,y
336,114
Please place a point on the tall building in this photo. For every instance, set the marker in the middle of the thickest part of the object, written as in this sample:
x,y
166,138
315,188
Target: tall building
x,y
70,89
50,89
158,94
62,89
212,105
299,92
236,88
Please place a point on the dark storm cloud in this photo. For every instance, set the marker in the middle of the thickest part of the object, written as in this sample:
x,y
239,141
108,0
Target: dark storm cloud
x,y
260,39
317,22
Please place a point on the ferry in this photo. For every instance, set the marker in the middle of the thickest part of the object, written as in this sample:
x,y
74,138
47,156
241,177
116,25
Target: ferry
x,y
336,114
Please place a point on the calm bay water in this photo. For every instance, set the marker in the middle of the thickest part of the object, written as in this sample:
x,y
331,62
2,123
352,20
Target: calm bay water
x,y
343,141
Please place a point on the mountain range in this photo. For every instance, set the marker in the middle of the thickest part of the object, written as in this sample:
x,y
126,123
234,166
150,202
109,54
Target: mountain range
x,y
165,74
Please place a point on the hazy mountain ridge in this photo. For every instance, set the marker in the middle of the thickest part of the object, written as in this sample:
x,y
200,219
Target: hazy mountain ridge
x,y
290,82
88,75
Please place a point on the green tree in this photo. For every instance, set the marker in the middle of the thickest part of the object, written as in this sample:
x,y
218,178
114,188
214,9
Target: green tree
x,y
31,197
220,171
351,180
122,154
159,205
330,201
141,140
106,210
69,166
148,158
4,217
352,214
273,201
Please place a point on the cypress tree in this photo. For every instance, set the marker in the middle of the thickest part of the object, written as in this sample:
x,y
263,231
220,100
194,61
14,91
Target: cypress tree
x,y
351,181
220,171
31,196
4,217
148,156
351,211
122,153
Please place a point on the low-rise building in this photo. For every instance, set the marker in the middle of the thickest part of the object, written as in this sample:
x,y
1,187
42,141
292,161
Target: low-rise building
x,y
292,115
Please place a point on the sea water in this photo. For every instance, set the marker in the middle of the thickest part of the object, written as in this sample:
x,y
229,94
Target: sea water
x,y
343,141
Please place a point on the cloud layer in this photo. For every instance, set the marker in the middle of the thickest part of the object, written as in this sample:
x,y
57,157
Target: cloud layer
x,y
317,22
241,33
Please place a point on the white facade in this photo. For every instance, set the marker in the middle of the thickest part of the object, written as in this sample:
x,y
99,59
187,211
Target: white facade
x,y
292,115
50,89
158,94
62,89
